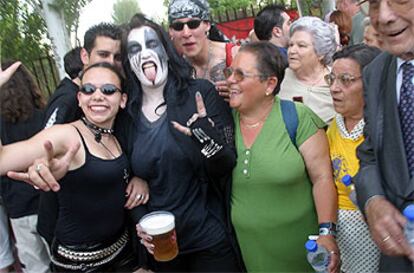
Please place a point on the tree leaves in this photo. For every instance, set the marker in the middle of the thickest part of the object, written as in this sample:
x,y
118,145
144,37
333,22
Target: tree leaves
x,y
123,10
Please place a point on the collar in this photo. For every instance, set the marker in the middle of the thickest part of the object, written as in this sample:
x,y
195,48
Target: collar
x,y
400,62
355,134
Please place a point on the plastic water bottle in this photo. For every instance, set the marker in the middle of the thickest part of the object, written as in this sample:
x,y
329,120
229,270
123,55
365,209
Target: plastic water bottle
x,y
318,257
347,181
408,212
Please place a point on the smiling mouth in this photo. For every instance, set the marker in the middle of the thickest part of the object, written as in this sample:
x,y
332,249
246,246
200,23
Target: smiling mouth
x,y
150,70
396,33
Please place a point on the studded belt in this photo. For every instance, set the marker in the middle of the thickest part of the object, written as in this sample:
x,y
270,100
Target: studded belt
x,y
90,259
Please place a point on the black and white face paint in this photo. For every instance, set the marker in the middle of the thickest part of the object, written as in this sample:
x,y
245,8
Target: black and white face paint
x,y
147,56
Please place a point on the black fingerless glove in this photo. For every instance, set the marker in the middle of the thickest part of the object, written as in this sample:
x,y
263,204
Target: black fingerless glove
x,y
206,136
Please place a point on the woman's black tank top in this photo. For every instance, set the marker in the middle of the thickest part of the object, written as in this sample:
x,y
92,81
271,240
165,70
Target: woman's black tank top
x,y
91,200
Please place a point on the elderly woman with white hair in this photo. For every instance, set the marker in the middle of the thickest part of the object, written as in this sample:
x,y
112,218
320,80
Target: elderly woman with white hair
x,y
311,47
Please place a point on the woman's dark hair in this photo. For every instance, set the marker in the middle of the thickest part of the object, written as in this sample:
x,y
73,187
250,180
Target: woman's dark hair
x,y
20,96
178,68
269,60
360,53
107,66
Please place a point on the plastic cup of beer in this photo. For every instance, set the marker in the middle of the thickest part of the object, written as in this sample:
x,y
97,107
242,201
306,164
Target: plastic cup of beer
x,y
160,225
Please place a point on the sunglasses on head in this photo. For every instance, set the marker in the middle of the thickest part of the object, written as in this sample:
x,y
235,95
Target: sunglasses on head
x,y
192,24
238,74
106,89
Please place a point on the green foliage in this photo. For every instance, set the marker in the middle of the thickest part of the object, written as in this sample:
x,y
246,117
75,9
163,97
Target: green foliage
x,y
123,10
22,31
71,9
223,5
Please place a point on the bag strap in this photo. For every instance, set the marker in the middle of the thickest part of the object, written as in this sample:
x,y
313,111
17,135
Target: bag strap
x,y
229,56
290,118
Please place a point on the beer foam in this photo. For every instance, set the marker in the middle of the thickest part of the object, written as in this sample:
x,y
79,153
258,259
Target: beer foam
x,y
157,223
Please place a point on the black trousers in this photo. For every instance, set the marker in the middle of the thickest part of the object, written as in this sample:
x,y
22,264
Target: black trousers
x,y
218,258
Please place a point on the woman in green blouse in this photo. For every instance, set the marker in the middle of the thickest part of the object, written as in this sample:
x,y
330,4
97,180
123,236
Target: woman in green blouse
x,y
280,191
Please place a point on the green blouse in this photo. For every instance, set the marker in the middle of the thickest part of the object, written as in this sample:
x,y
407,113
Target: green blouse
x,y
272,203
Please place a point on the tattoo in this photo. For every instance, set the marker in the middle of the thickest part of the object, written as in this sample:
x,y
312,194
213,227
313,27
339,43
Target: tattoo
x,y
216,72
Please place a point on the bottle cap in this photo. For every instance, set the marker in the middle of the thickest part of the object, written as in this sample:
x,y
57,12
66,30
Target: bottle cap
x,y
347,180
408,212
311,246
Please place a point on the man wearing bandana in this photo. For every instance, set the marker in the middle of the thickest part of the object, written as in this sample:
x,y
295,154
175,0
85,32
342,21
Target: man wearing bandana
x,y
171,119
189,27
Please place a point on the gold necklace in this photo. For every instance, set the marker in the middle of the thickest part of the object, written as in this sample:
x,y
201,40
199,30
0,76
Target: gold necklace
x,y
251,126
259,122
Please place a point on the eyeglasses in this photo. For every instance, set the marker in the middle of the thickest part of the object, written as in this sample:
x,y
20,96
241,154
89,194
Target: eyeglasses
x,y
192,24
345,79
106,89
238,74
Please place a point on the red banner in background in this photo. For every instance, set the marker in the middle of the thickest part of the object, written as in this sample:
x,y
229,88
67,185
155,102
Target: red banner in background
x,y
240,28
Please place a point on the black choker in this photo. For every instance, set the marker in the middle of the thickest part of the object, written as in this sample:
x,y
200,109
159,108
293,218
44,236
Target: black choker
x,y
96,130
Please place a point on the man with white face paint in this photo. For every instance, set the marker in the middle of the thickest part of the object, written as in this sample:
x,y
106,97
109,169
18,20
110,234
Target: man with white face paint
x,y
169,120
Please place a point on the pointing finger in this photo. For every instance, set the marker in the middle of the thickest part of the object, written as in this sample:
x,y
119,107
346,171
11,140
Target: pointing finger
x,y
201,108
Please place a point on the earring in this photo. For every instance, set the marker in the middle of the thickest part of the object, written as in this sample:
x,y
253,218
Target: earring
x,y
207,33
267,94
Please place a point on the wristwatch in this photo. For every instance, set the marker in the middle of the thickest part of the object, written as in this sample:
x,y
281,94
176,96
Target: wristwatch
x,y
328,228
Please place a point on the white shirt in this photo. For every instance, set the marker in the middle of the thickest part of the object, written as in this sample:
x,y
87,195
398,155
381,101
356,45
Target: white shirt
x,y
398,82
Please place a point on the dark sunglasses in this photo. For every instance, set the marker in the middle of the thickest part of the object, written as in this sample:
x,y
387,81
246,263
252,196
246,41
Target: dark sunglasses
x,y
106,89
192,24
344,79
238,74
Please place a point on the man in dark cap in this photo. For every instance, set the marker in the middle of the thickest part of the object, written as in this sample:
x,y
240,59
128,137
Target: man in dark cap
x,y
189,26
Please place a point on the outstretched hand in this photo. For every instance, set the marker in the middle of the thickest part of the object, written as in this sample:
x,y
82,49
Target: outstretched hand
x,y
6,74
45,172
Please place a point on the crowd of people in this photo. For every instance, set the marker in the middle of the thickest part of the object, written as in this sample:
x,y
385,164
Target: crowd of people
x,y
247,146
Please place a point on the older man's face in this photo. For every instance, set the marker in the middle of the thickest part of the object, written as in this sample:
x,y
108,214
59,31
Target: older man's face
x,y
394,22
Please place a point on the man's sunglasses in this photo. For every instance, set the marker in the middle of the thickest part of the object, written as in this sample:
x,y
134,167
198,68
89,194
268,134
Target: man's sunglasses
x,y
192,24
106,89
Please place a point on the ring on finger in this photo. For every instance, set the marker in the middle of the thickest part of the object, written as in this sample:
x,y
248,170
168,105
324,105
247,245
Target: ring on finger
x,y
386,238
188,132
191,120
333,252
138,197
38,167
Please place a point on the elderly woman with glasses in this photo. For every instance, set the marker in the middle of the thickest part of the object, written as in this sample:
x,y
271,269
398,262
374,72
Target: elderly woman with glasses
x,y
282,184
345,135
311,46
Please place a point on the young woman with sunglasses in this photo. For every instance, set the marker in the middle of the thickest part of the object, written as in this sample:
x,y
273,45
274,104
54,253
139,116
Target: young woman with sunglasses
x,y
90,232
